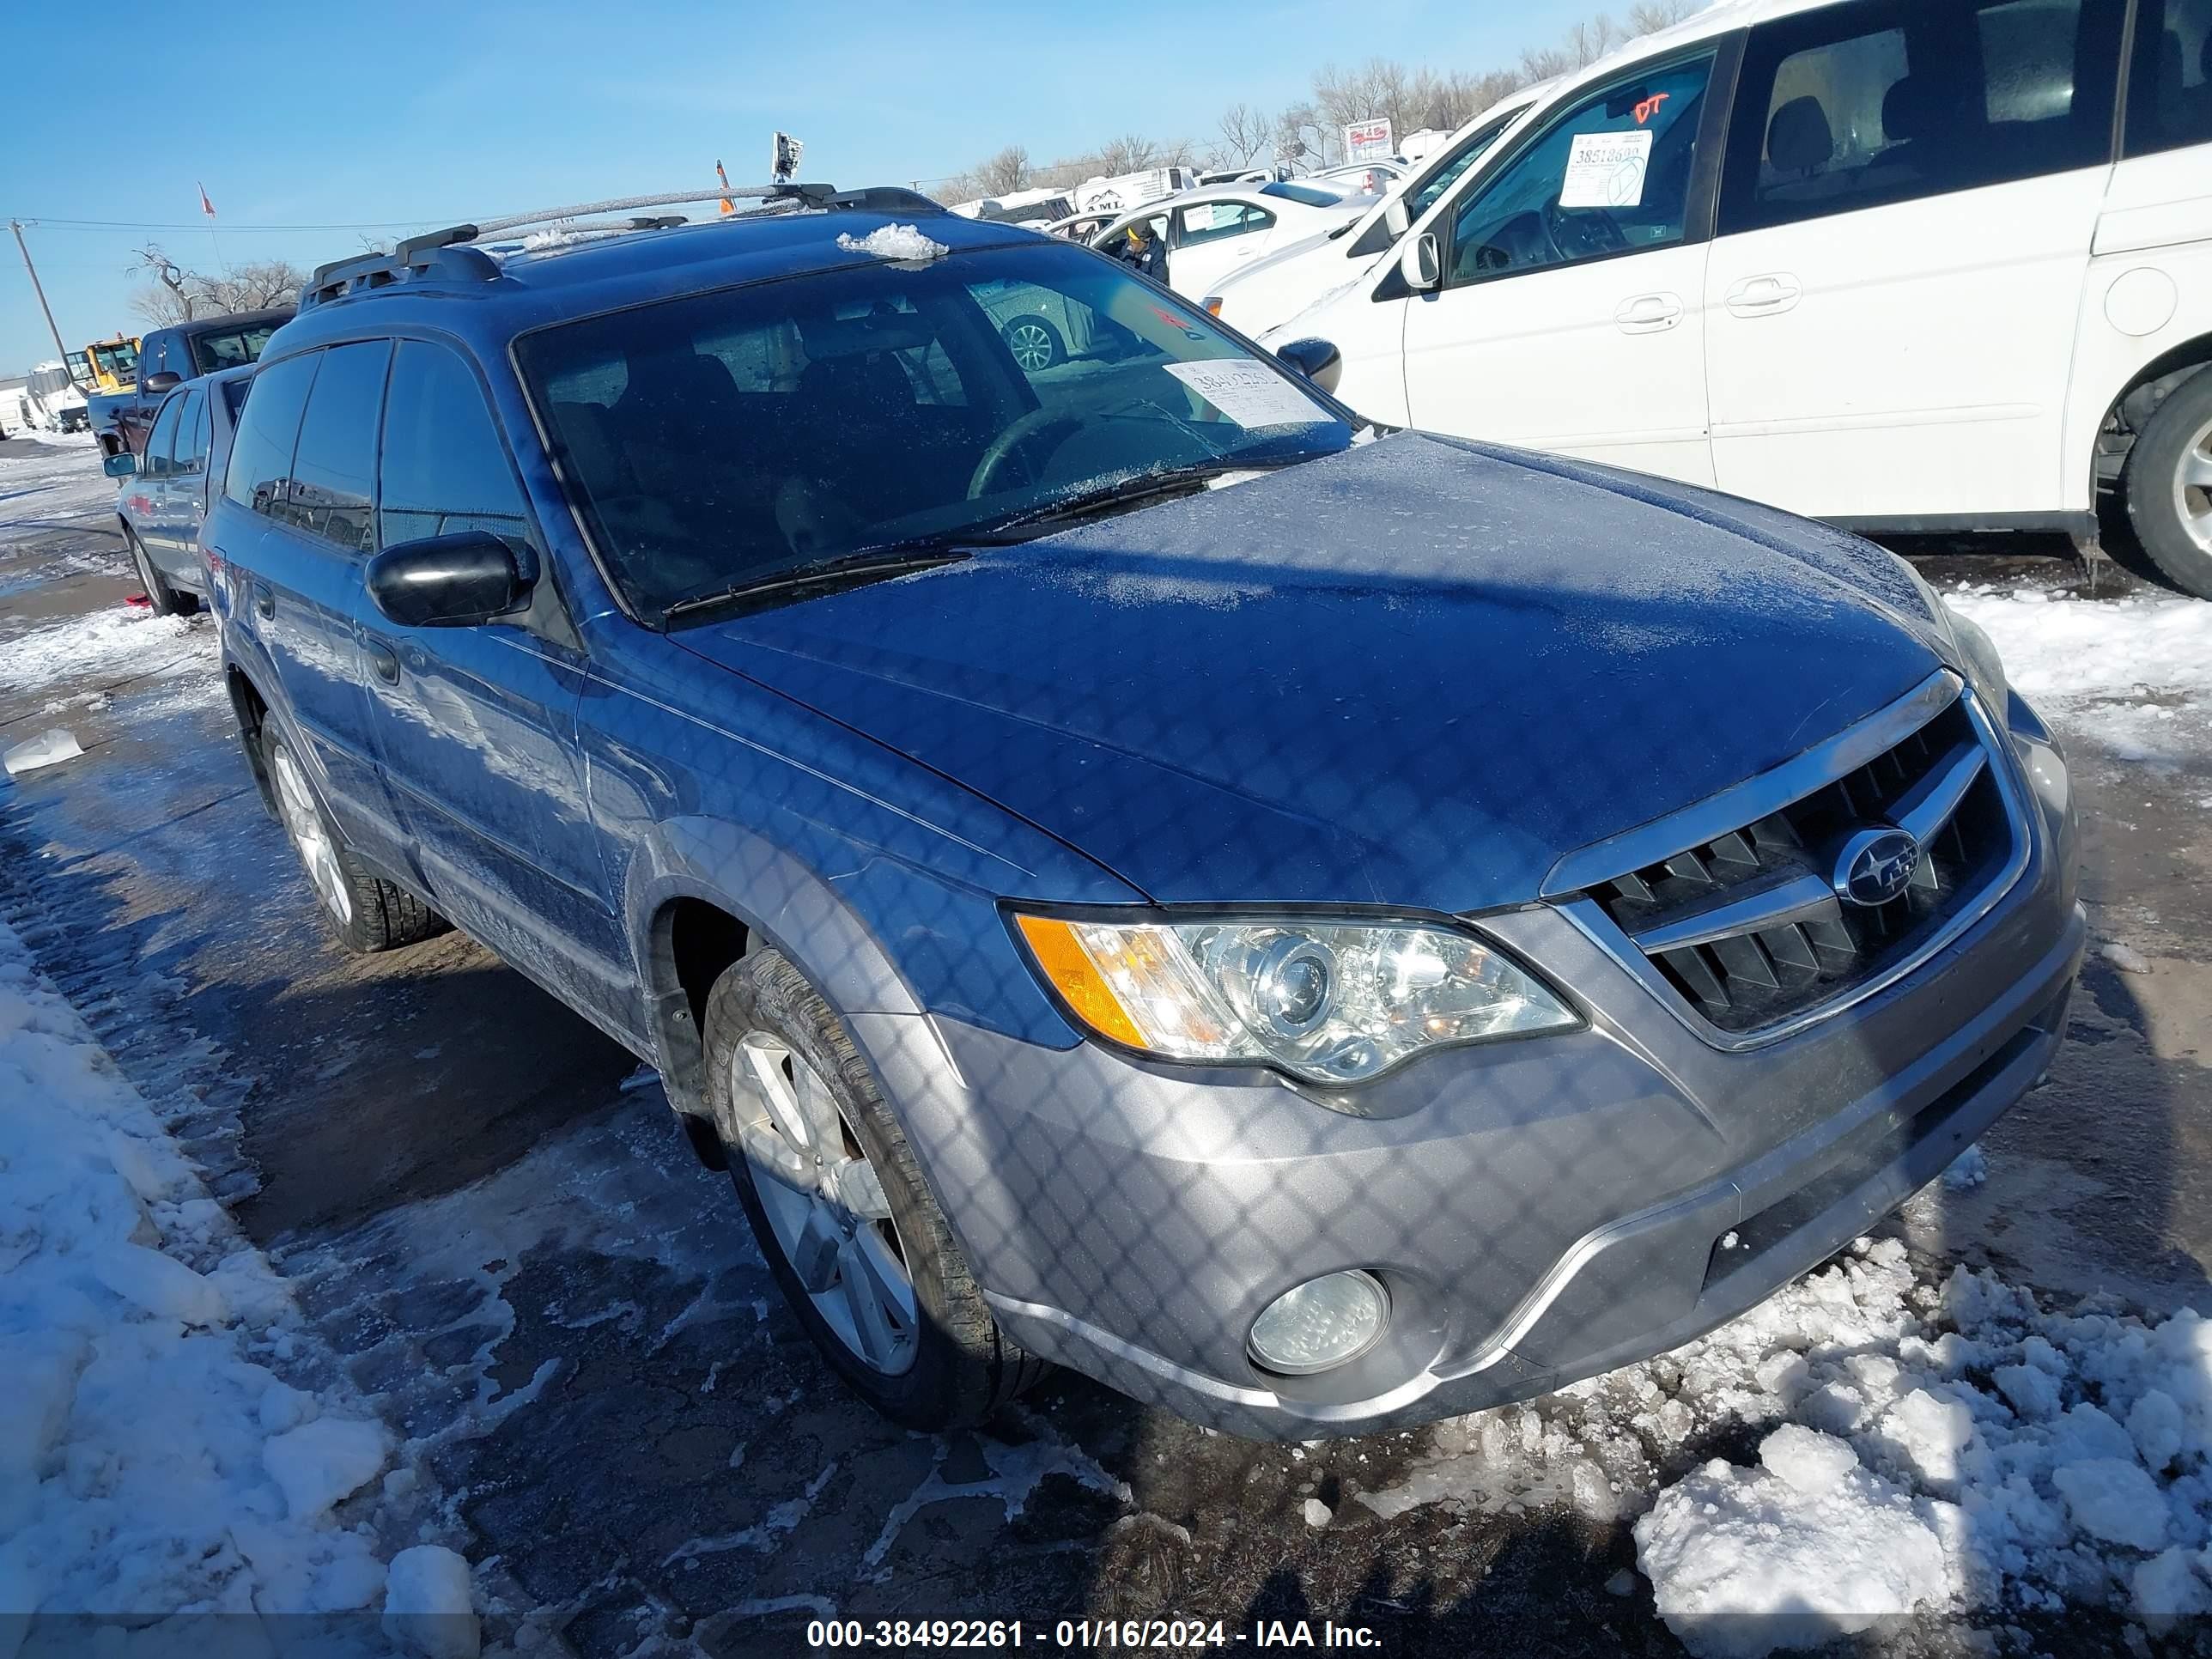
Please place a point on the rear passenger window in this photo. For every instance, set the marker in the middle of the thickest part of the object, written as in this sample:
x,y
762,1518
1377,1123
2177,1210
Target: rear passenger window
x,y
445,469
155,464
1858,106
261,452
190,414
333,473
2170,84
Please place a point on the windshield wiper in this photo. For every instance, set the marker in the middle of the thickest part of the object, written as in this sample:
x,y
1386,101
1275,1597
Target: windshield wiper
x,y
807,580
1126,492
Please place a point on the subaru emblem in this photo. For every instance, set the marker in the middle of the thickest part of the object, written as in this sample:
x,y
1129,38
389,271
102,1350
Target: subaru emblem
x,y
1875,865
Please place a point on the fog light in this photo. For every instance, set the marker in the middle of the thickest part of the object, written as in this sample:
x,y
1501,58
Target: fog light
x,y
1323,1323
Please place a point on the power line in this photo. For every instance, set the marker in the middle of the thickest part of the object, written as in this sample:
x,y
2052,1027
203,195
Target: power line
x,y
132,224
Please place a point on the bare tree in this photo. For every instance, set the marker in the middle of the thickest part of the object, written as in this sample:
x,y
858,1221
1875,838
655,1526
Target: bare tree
x,y
1005,172
1301,137
1649,16
169,302
1131,153
183,296
249,287
1245,131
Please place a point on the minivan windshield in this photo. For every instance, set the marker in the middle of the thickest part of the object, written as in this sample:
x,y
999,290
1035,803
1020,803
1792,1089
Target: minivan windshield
x,y
729,440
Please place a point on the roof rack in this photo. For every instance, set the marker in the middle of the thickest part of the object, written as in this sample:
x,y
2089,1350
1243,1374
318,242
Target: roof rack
x,y
454,252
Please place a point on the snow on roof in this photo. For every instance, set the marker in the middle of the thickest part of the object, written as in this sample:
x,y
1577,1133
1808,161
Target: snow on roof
x,y
893,242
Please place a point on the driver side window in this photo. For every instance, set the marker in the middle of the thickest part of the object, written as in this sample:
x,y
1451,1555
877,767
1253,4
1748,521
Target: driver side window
x,y
1610,175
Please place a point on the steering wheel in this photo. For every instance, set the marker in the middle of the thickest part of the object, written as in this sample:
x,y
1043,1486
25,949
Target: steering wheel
x,y
1590,232
986,475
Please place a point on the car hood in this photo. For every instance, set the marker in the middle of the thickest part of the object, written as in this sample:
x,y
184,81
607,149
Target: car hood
x,y
1415,673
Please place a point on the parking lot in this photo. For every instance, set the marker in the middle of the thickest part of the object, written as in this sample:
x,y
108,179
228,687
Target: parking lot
x,y
601,1397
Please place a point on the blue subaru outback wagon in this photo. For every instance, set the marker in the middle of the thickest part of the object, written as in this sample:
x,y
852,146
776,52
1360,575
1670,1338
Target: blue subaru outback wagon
x,y
1124,864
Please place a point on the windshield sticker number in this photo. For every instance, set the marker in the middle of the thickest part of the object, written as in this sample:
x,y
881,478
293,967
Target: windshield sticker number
x,y
1606,170
1249,394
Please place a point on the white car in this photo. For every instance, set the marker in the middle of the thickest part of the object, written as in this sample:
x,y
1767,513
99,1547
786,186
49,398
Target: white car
x,y
1903,265
1211,232
1284,281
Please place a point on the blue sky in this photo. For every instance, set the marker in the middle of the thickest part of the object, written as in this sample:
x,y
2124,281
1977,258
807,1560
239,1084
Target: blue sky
x,y
401,114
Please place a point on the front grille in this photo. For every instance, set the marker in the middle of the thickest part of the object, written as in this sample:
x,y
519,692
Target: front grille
x,y
1748,926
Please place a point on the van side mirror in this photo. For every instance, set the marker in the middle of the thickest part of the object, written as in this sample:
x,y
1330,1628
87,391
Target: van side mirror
x,y
161,379
1421,264
120,465
460,580
1396,216
1317,360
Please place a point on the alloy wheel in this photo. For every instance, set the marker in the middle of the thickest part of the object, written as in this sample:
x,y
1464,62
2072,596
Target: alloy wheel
x,y
304,824
1032,346
824,1202
2192,488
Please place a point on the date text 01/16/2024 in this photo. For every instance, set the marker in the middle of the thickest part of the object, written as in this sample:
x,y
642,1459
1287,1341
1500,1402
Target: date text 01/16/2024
x,y
1139,1635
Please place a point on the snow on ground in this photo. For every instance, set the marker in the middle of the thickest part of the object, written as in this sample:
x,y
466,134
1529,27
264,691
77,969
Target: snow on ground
x,y
45,490
123,644
2133,675
1941,1446
155,1459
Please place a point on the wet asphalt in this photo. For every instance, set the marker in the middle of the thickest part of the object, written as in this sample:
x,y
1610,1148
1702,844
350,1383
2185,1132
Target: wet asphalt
x,y
611,1411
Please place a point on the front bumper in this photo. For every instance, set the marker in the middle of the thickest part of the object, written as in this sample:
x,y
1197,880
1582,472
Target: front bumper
x,y
1540,1210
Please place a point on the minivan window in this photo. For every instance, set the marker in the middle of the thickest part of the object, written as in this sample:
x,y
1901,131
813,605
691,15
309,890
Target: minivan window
x,y
1609,176
2170,84
1858,106
335,466
444,469
155,464
261,453
692,479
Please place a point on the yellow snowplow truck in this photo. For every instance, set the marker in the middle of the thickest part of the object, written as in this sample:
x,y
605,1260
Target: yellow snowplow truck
x,y
113,363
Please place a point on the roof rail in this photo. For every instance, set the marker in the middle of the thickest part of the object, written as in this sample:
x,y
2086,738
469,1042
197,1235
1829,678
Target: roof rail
x,y
451,252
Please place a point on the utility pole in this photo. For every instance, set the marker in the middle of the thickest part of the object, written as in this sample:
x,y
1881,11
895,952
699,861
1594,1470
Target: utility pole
x,y
60,350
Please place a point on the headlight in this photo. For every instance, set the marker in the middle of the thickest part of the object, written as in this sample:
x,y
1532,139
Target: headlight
x,y
1331,1002
1977,654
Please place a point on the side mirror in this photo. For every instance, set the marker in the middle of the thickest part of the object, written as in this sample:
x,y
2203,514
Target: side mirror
x,y
1419,262
161,379
1317,360
1396,216
119,467
446,581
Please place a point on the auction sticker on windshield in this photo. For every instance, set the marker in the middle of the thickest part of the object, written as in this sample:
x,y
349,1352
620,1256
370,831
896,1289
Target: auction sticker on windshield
x,y
1251,394
1606,170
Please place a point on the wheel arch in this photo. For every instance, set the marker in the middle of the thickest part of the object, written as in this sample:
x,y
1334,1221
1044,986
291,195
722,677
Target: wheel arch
x,y
251,709
709,895
2125,412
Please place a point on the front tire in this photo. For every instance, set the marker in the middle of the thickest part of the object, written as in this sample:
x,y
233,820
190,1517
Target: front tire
x,y
163,600
839,1207
2168,483
368,913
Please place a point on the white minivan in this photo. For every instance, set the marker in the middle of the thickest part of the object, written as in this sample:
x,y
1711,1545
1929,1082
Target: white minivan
x,y
1903,265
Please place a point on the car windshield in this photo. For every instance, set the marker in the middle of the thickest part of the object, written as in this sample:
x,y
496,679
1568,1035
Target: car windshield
x,y
731,438
213,351
117,361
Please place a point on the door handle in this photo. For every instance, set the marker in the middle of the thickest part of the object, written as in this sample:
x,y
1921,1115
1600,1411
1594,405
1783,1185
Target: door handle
x,y
1765,295
1649,313
383,660
264,602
